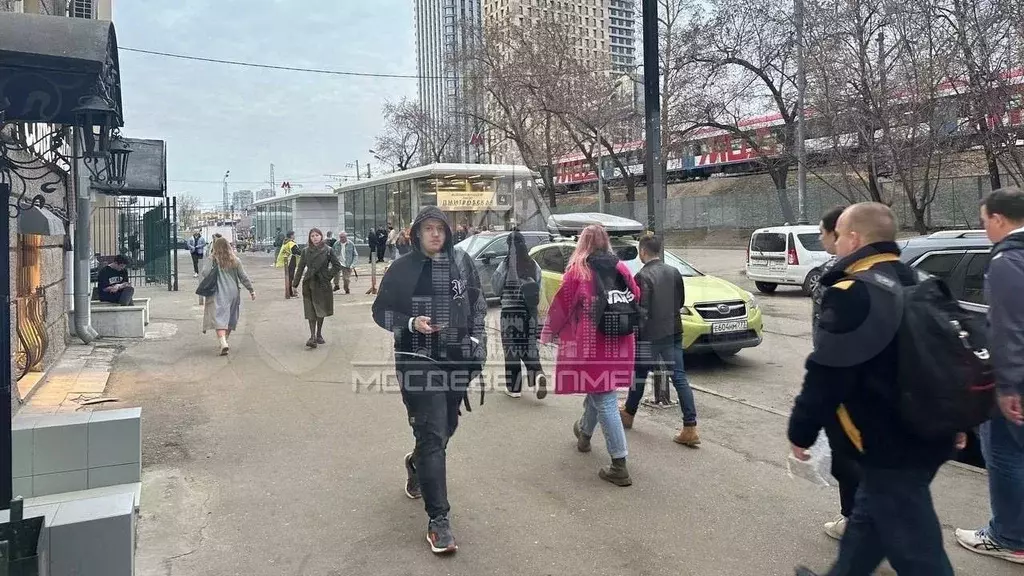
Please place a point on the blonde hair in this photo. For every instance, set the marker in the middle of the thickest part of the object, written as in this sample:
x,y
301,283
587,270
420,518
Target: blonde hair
x,y
223,255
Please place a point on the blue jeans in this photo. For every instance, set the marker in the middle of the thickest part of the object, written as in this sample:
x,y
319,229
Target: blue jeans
x,y
1002,443
893,518
604,408
648,356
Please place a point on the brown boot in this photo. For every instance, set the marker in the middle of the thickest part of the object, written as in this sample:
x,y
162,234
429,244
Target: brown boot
x,y
582,440
688,436
616,473
627,418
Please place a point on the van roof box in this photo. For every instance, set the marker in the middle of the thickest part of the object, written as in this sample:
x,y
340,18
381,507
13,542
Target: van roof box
x,y
574,223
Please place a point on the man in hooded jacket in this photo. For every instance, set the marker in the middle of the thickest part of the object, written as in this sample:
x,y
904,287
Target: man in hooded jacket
x,y
431,301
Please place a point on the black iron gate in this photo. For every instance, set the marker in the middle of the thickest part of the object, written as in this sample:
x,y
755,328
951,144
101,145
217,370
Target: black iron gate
x,y
142,229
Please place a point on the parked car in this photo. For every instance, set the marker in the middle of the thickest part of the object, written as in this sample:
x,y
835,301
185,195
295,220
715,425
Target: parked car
x,y
789,255
489,249
960,257
718,316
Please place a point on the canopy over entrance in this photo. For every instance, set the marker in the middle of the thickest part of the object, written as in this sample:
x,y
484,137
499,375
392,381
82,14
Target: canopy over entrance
x,y
49,65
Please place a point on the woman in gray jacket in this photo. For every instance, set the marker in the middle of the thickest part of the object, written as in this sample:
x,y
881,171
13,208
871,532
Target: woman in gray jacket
x,y
223,308
517,280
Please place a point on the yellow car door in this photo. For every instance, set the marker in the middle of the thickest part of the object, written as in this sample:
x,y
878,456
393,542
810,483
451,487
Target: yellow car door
x,y
552,260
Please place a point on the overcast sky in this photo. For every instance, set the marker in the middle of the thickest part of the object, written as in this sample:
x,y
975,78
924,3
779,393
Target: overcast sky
x,y
218,117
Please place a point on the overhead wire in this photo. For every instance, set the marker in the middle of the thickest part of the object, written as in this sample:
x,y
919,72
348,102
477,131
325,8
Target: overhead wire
x,y
330,72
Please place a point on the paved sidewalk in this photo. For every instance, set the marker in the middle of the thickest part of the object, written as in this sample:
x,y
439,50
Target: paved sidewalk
x,y
271,461
80,376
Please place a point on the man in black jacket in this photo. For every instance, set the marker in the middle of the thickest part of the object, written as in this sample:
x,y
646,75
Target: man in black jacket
x,y
112,283
660,340
852,376
1002,438
431,300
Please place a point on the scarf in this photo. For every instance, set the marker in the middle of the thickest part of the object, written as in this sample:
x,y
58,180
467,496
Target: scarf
x,y
318,259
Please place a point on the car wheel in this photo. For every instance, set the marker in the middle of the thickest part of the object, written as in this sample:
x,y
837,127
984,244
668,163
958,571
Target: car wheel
x,y
811,282
766,287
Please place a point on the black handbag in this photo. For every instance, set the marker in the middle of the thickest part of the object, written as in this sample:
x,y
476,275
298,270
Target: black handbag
x,y
208,285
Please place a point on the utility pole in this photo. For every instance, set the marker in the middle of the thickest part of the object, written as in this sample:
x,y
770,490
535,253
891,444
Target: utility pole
x,y
357,169
652,111
273,184
801,89
368,175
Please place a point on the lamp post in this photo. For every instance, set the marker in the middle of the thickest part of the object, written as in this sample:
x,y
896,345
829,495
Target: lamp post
x,y
801,90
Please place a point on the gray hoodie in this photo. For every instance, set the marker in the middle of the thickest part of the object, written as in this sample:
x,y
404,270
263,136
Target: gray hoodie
x,y
1004,284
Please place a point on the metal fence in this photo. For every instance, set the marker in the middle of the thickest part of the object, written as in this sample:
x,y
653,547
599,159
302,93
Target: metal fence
x,y
142,229
955,205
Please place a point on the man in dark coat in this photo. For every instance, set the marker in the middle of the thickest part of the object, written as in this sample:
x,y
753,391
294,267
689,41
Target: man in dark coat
x,y
431,300
852,376
381,243
371,243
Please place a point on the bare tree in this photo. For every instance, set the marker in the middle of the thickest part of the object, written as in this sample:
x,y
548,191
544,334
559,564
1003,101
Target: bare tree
x,y
188,207
518,69
746,53
399,141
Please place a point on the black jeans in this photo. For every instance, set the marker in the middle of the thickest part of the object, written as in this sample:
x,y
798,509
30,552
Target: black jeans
x,y
845,469
894,518
380,252
432,404
519,341
123,297
195,262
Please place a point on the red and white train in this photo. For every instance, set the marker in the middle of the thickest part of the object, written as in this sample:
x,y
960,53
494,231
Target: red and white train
x,y
709,151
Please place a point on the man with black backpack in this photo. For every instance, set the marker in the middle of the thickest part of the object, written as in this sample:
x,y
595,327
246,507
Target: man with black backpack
x,y
1002,438
862,372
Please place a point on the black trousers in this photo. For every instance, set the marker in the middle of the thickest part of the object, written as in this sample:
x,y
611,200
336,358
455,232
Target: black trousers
x,y
373,252
125,297
519,341
845,469
380,252
894,519
432,397
195,262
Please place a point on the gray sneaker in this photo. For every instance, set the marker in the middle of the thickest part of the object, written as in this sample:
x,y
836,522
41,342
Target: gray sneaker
x,y
439,535
412,480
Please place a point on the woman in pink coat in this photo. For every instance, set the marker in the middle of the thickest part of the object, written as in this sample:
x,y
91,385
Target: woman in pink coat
x,y
589,361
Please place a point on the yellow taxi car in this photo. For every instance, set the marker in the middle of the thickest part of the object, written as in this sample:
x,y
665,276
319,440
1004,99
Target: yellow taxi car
x,y
718,316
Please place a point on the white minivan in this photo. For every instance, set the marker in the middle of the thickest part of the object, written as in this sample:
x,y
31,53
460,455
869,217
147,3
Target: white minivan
x,y
790,255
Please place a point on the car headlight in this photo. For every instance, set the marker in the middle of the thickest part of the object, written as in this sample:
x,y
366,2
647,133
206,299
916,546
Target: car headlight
x,y
752,302
685,311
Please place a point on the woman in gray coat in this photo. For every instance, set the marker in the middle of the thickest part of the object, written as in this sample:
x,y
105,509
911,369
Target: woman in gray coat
x,y
223,308
321,266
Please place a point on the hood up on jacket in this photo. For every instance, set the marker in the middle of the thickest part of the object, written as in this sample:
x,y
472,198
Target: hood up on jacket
x,y
604,264
432,212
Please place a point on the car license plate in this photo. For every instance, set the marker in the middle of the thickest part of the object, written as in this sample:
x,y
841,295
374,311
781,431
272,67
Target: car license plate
x,y
732,326
777,266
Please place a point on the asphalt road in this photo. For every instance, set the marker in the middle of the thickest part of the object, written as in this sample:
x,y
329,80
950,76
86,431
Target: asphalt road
x,y
271,462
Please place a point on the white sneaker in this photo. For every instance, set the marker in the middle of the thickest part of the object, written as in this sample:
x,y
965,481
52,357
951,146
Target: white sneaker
x,y
195,274
224,346
511,394
980,542
837,527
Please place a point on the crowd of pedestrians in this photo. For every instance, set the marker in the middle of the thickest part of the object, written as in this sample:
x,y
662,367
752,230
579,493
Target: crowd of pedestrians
x,y
893,409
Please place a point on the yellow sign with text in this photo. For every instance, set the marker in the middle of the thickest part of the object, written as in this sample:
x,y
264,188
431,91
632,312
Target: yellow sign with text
x,y
469,201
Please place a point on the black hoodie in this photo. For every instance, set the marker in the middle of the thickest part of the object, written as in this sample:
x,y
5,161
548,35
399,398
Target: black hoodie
x,y
456,301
